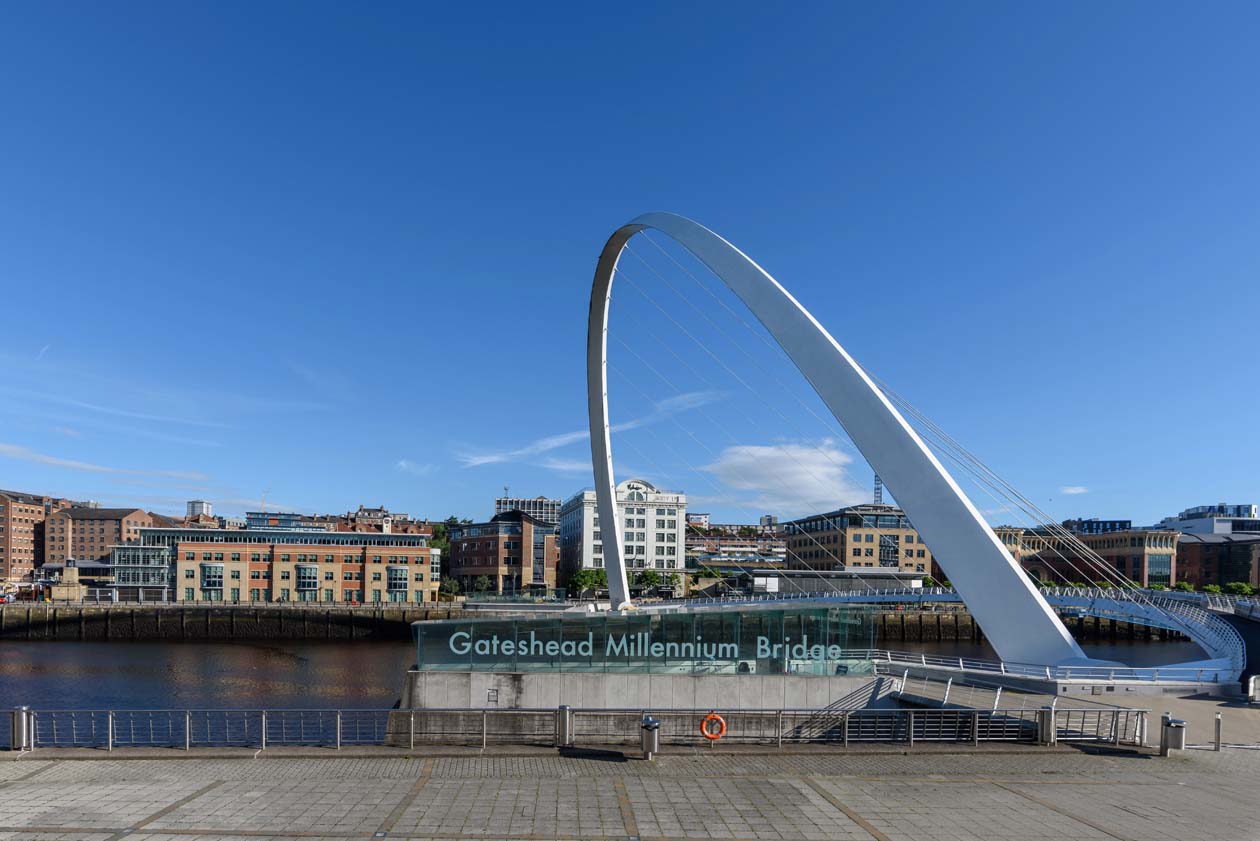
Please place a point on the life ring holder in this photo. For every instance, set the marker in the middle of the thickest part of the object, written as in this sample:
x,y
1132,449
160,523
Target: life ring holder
x,y
707,732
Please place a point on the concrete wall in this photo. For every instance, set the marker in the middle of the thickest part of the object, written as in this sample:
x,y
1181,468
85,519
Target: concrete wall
x,y
593,690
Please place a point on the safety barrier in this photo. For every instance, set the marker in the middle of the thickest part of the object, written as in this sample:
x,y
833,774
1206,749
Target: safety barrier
x,y
190,729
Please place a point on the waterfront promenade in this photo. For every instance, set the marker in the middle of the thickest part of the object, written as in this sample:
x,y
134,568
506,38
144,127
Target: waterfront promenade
x,y
825,794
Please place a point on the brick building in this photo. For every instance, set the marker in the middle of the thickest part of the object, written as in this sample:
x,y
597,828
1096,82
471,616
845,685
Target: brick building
x,y
86,534
1220,559
858,537
1145,556
275,565
514,550
22,523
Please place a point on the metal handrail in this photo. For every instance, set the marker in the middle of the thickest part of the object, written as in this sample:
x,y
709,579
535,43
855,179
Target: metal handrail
x,y
336,728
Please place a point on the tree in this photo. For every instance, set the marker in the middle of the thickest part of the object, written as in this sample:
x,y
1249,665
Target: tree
x,y
450,586
1184,586
929,581
585,580
1158,587
1238,588
482,583
648,578
1213,589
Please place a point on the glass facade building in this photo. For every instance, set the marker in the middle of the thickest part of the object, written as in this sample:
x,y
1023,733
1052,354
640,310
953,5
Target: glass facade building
x,y
824,640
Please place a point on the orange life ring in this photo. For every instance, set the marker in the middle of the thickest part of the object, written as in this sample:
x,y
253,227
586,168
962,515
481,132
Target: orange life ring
x,y
712,735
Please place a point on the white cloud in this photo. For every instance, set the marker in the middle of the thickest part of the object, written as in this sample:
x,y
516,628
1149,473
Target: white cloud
x,y
406,466
566,465
791,479
660,411
1073,490
27,454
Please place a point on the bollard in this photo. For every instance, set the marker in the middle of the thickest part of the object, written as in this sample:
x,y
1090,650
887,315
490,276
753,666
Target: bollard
x,y
650,737
262,729
1217,747
564,726
109,730
187,730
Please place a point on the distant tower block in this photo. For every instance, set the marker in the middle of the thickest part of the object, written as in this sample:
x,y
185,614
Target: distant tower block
x,y
197,507
879,490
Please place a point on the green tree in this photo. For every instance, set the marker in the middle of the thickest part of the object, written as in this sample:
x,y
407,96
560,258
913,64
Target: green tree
x,y
1238,588
1214,589
1158,587
482,583
586,580
648,578
929,581
450,586
1184,586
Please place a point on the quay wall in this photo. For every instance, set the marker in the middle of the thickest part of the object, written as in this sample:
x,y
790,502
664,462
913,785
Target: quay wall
x,y
139,623
148,622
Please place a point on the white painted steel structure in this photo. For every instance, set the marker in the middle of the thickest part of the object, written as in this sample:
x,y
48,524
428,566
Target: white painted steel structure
x,y
1017,620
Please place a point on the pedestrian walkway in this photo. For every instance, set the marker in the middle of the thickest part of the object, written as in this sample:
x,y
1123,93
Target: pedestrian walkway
x,y
824,795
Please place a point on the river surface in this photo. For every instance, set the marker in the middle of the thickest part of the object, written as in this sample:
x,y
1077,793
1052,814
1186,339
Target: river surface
x,y
310,675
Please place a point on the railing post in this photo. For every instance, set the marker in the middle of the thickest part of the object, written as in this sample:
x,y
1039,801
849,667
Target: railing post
x,y
844,725
975,728
263,728
484,716
187,730
780,727
109,730
338,738
411,729
949,684
910,728
1217,745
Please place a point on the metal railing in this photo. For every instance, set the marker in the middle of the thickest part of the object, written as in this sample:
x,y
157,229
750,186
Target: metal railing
x,y
262,729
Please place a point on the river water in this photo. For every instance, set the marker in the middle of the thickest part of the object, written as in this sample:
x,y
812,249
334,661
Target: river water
x,y
310,675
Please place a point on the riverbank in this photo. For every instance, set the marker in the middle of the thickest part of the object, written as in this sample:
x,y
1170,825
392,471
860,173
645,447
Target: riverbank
x,y
294,622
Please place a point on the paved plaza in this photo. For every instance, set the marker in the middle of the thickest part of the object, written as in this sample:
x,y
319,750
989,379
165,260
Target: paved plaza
x,y
1021,794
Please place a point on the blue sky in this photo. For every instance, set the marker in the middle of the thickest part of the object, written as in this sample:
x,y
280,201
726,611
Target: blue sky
x,y
343,254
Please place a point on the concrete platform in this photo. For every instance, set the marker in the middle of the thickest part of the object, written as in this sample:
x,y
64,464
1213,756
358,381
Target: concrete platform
x,y
825,794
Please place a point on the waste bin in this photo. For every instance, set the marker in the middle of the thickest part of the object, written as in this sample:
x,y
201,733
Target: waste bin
x,y
1172,735
19,729
650,737
564,726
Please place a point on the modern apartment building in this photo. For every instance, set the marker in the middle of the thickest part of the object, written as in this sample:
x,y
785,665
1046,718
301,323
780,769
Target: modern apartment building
x,y
278,565
858,537
87,534
515,551
1222,518
538,507
22,523
654,524
1096,526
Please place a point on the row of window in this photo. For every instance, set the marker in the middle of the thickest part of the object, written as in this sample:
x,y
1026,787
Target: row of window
x,y
216,594
257,557
285,575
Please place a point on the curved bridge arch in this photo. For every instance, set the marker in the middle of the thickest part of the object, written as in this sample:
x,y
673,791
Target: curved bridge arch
x,y
1018,622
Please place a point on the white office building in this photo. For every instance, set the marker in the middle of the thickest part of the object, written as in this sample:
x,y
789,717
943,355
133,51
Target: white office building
x,y
1222,518
653,522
